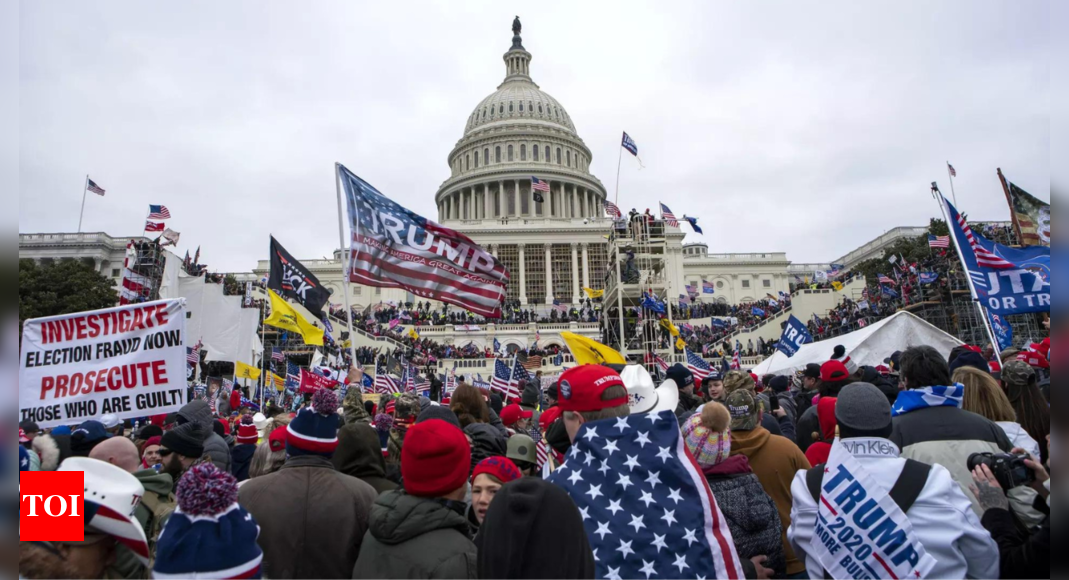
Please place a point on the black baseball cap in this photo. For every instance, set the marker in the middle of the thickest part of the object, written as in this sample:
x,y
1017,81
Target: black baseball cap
x,y
29,427
812,371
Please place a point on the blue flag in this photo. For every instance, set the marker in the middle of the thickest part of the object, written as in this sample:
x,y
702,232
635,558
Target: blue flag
x,y
928,277
758,312
497,345
1006,280
889,292
629,144
651,303
795,334
694,224
1003,330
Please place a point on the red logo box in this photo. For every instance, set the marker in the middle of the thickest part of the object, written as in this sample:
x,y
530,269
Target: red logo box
x,y
51,506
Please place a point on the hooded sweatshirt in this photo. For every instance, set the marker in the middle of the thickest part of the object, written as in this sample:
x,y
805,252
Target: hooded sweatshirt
x,y
414,537
486,441
359,454
534,530
775,460
214,446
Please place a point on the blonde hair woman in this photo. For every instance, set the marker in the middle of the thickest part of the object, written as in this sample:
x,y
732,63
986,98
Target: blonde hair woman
x,y
985,397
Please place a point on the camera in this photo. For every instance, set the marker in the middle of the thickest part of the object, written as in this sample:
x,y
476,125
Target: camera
x,y
1009,470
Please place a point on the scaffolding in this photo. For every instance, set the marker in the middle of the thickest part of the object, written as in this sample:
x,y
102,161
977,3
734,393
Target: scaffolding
x,y
637,268
143,274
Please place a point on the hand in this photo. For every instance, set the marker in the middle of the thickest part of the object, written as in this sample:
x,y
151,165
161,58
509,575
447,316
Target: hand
x,y
1041,474
779,413
987,490
762,572
356,375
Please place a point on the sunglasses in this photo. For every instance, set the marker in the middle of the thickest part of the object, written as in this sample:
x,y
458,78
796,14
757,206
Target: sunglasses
x,y
164,452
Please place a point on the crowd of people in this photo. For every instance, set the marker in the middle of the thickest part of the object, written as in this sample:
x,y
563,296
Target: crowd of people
x,y
473,486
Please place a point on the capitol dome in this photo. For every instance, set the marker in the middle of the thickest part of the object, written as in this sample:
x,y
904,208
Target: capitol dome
x,y
516,135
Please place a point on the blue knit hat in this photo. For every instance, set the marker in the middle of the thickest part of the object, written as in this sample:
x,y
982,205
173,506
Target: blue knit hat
x,y
314,431
209,535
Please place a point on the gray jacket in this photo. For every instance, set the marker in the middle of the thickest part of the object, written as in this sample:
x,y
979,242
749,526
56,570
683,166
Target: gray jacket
x,y
214,446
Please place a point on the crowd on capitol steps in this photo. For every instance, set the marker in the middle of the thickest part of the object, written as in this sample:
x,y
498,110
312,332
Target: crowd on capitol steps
x,y
926,467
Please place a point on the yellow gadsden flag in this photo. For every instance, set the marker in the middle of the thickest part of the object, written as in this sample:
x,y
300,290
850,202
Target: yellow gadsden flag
x,y
671,328
413,334
590,352
244,371
285,317
680,344
838,286
593,294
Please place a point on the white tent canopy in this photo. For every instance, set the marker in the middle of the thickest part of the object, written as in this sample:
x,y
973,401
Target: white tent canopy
x,y
866,347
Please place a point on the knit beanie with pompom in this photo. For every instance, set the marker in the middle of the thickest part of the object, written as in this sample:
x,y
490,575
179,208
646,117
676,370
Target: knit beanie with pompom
x,y
314,431
247,433
708,435
209,535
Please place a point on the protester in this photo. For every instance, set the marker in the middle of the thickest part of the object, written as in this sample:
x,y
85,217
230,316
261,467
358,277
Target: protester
x,y
486,441
110,500
774,460
750,512
684,380
822,441
242,453
1022,555
713,385
781,389
29,430
523,451
312,517
486,480
1029,404
929,424
774,423
985,397
833,377
87,436
270,455
420,531
359,455
181,448
533,530
405,411
47,451
209,535
941,516
214,445
469,406
150,453
810,389
516,419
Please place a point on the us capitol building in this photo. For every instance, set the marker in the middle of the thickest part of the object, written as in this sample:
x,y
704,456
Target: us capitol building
x,y
553,249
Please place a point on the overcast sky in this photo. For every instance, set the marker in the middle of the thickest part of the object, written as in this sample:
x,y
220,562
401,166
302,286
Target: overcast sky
x,y
805,127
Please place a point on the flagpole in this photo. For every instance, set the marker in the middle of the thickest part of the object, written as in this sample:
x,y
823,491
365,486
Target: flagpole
x,y
1009,201
950,176
961,256
263,356
347,249
85,190
619,163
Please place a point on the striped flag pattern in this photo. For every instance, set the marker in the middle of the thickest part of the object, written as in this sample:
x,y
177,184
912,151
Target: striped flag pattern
x,y
612,210
937,242
539,185
92,186
984,258
158,212
736,362
697,367
384,383
669,217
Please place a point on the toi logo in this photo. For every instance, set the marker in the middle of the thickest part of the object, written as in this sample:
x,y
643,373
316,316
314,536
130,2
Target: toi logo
x,y
52,506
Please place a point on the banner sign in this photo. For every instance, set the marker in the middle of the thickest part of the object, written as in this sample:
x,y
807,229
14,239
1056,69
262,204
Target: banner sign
x,y
861,532
393,247
129,361
311,382
467,328
795,334
1005,280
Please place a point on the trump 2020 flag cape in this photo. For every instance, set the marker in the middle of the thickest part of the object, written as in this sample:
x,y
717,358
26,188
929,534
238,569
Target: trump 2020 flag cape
x,y
393,247
289,278
646,507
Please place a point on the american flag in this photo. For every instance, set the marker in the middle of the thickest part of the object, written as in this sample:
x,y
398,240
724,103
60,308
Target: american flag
x,y
883,279
950,168
669,217
542,448
539,185
418,255
939,242
697,367
277,355
661,363
193,357
503,382
612,210
154,227
984,257
692,290
646,507
423,387
519,380
736,361
293,376
158,212
533,363
92,186
384,383
558,306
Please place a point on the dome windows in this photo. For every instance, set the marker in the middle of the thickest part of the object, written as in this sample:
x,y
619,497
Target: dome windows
x,y
558,156
521,106
540,108
510,107
476,159
547,154
502,109
534,150
486,156
510,153
568,158
523,149
497,154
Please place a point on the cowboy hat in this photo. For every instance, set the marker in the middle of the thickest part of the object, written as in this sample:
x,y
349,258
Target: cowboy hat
x,y
643,397
111,499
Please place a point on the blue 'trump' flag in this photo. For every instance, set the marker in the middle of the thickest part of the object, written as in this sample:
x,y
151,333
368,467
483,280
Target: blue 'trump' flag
x,y
1003,331
795,334
646,507
629,144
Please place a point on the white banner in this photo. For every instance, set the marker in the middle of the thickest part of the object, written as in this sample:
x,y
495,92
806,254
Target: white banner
x,y
861,532
129,361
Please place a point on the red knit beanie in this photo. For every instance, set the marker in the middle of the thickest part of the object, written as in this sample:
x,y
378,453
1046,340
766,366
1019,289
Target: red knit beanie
x,y
435,459
247,433
500,468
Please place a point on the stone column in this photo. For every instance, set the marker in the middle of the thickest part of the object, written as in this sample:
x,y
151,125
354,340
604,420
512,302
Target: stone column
x,y
549,274
586,265
500,200
493,249
523,274
488,211
519,202
575,273
580,198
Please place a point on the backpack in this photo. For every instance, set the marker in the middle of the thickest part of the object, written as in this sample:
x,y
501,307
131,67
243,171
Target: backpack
x,y
803,401
904,493
160,509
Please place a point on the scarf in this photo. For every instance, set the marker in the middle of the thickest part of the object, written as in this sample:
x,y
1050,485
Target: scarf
x,y
927,397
